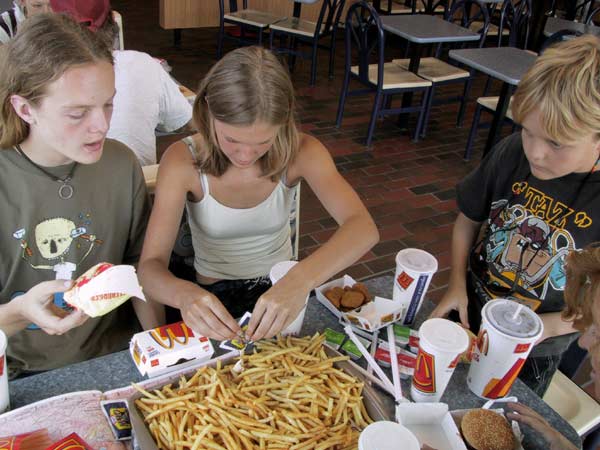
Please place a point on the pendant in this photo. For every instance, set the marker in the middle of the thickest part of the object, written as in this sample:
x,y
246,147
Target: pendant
x,y
65,191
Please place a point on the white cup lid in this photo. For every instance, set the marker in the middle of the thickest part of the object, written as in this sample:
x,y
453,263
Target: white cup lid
x,y
279,270
385,435
417,260
444,335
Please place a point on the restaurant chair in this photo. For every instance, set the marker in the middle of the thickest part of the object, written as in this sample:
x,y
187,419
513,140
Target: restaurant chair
x,y
300,31
247,20
572,403
591,18
440,73
410,7
365,42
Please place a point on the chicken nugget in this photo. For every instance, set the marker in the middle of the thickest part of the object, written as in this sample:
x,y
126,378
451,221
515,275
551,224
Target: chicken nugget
x,y
362,288
334,295
352,299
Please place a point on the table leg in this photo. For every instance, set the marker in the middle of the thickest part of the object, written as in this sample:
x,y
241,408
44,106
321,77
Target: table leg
x,y
499,115
177,37
413,66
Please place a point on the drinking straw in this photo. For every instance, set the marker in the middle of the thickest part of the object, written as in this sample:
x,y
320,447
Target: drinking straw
x,y
394,360
517,312
369,358
374,341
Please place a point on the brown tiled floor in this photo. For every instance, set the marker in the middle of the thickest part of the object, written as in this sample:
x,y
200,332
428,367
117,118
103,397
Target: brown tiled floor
x,y
408,187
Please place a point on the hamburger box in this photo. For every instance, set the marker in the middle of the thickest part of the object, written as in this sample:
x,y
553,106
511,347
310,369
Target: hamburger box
x,y
432,424
371,316
167,348
458,414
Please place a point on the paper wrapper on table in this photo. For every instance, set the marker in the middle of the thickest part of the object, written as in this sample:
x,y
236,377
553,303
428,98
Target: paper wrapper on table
x,y
432,424
34,440
370,316
167,348
103,288
414,270
71,442
406,360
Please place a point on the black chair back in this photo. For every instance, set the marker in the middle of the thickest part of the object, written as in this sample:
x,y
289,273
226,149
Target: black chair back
x,y
467,12
365,39
516,16
590,20
329,16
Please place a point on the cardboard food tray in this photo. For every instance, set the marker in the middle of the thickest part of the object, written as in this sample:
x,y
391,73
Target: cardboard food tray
x,y
371,316
379,405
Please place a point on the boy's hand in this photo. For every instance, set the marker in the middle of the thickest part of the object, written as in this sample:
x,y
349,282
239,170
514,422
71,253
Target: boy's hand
x,y
454,299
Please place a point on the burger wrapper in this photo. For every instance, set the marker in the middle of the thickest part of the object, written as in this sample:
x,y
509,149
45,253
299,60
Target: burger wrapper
x,y
96,294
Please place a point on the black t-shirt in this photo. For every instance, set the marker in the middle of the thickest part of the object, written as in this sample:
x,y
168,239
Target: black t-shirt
x,y
531,226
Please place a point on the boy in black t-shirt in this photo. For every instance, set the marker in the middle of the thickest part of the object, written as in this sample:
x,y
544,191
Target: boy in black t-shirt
x,y
536,193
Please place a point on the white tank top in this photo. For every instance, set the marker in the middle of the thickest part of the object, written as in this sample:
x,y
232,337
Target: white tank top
x,y
231,243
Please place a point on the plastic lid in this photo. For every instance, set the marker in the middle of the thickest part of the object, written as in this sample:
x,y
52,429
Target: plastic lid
x,y
279,270
387,435
417,260
512,318
444,335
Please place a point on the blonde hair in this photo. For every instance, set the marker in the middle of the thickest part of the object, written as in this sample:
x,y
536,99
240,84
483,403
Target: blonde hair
x,y
564,85
46,46
582,286
247,85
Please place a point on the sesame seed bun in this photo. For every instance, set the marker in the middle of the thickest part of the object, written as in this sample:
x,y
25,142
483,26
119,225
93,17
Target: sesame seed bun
x,y
483,429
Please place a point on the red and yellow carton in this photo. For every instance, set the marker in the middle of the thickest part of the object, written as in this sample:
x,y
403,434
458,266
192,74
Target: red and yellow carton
x,y
167,348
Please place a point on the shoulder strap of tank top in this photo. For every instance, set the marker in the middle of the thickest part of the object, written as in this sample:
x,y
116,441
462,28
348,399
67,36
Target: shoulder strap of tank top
x,y
191,145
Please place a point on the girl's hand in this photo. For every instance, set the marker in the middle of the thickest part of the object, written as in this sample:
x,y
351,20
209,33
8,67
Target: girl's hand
x,y
456,299
37,306
277,308
529,417
204,313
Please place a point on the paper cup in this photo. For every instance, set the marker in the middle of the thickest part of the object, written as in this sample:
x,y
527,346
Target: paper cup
x,y
4,398
386,435
414,271
441,342
507,334
277,272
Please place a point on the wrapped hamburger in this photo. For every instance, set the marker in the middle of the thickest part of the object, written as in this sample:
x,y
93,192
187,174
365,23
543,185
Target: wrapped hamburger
x,y
103,288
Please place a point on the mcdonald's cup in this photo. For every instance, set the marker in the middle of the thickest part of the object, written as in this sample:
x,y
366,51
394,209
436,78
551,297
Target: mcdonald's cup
x,y
507,335
441,342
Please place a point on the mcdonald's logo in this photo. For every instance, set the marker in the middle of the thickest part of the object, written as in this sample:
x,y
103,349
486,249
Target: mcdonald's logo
x,y
168,335
424,376
2,362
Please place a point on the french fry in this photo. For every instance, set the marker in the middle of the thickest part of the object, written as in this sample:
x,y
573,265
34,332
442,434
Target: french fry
x,y
288,397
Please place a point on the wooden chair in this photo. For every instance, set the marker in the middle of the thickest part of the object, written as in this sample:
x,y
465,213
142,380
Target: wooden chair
x,y
119,44
302,31
247,19
365,41
439,72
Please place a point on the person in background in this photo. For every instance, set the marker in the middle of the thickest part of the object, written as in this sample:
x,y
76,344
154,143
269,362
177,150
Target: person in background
x,y
10,19
532,200
237,178
147,97
582,298
70,198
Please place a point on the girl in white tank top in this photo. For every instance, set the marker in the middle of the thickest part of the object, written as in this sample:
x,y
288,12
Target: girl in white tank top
x,y
237,179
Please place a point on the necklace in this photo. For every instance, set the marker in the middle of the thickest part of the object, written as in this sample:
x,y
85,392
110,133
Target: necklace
x,y
65,191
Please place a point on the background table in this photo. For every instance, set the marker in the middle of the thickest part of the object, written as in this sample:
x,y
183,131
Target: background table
x,y
115,370
423,29
507,64
554,24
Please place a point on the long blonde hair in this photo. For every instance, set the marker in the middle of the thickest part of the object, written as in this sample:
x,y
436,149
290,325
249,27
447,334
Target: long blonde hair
x,y
563,84
582,286
45,47
247,85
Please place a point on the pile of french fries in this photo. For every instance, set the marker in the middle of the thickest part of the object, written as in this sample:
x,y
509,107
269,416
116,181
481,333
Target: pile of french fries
x,y
289,395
